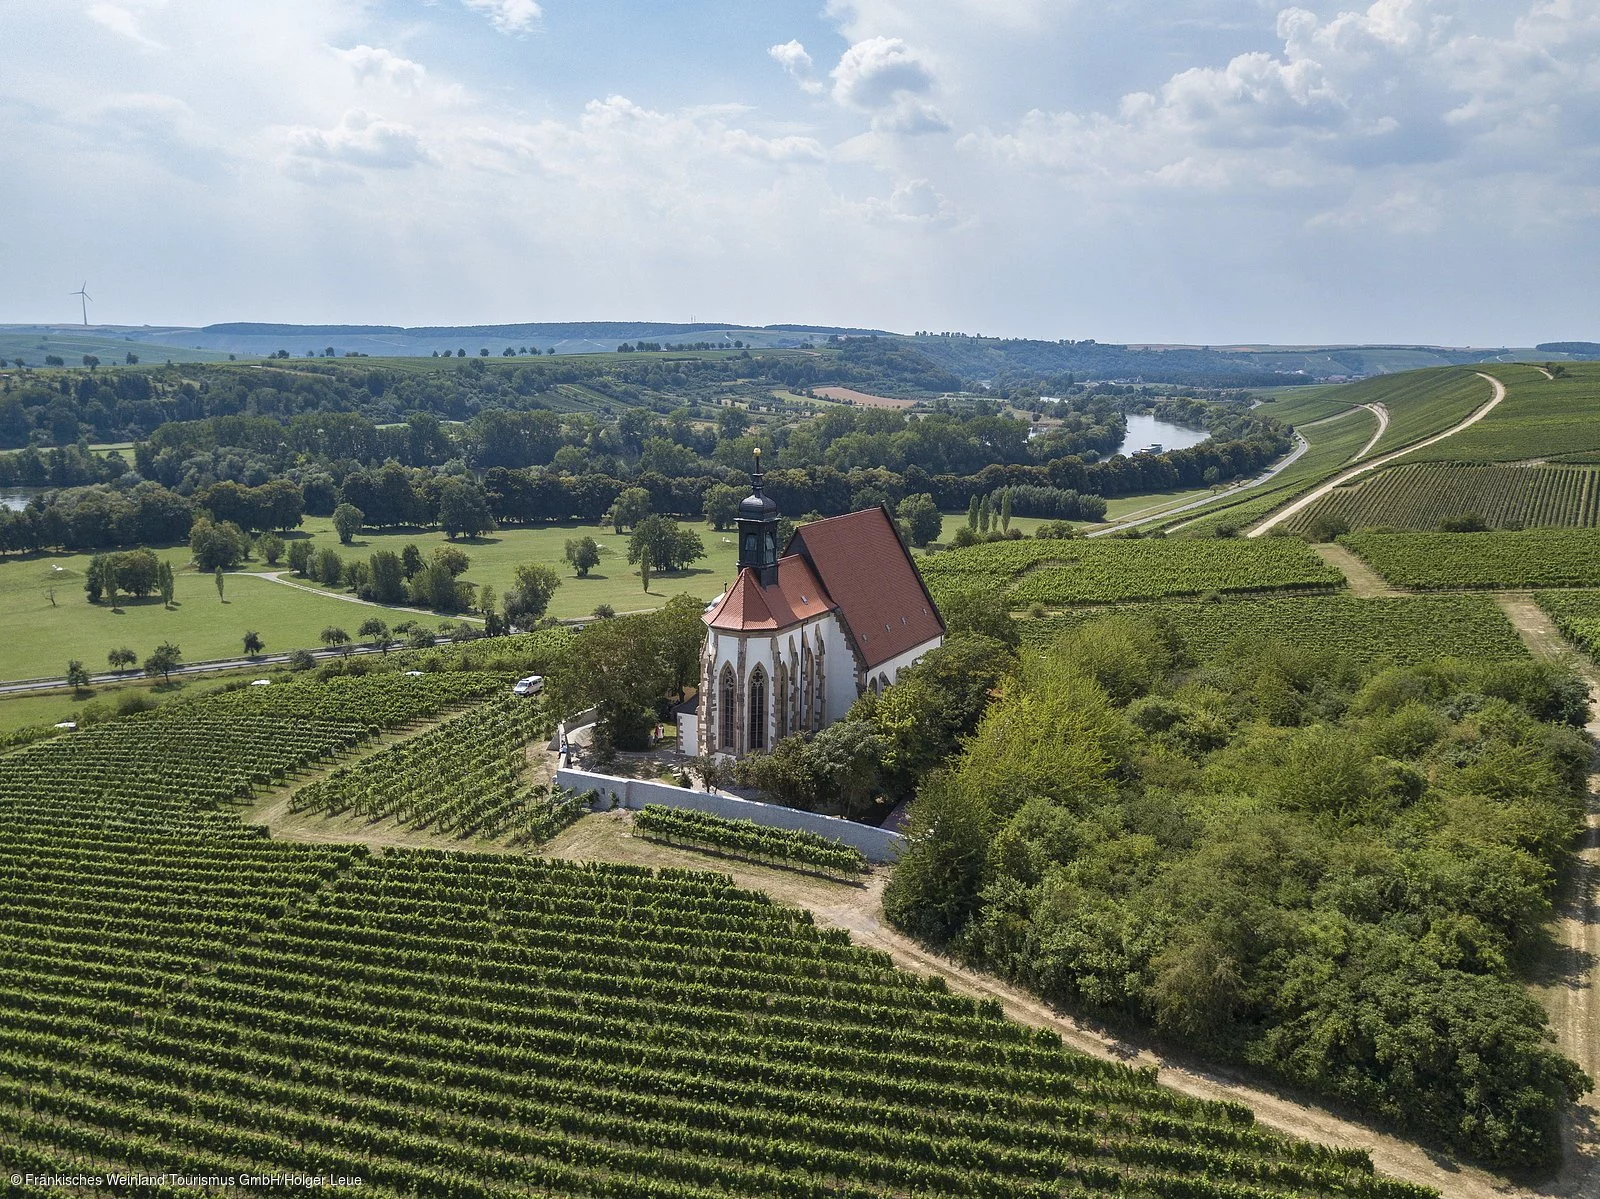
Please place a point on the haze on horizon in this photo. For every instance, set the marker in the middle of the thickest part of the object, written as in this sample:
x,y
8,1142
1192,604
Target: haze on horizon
x,y
1183,171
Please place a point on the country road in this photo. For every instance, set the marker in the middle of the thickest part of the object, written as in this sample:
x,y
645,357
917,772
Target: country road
x,y
1381,411
1316,493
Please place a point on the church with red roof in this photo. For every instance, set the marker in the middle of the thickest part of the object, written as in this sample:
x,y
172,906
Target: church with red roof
x,y
799,636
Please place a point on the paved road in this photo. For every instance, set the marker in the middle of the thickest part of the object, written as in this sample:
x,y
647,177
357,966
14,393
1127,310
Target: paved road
x,y
265,661
1317,493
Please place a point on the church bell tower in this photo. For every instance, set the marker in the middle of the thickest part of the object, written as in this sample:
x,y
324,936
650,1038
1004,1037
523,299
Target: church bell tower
x,y
758,531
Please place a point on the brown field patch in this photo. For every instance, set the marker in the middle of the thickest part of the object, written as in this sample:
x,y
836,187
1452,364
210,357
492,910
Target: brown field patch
x,y
849,395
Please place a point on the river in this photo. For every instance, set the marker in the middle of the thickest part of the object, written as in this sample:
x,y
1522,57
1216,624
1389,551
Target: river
x,y
1146,431
16,501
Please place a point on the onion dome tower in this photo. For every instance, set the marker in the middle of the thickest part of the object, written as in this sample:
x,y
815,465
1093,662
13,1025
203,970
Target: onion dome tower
x,y
758,531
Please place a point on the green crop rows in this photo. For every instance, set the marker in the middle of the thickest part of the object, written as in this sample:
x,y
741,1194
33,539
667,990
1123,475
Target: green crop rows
x,y
746,839
1418,496
467,778
1539,418
1413,629
1577,615
1089,572
179,993
1535,558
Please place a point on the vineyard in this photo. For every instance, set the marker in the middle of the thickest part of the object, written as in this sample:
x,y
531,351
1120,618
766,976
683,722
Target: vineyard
x,y
1536,558
747,839
1540,418
1418,496
1105,571
1414,629
182,994
1577,615
465,778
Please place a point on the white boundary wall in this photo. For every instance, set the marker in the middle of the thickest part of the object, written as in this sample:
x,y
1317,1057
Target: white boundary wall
x,y
879,845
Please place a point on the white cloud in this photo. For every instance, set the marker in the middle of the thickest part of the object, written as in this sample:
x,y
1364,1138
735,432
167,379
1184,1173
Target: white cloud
x,y
914,202
121,19
358,140
887,78
792,57
373,62
508,16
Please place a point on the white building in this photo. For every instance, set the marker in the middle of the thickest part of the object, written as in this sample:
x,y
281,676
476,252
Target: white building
x,y
797,638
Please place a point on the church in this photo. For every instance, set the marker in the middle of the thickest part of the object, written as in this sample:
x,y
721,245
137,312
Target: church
x,y
799,636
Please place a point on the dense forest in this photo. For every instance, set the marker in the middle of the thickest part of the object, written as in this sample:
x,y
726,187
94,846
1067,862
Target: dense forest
x,y
1333,871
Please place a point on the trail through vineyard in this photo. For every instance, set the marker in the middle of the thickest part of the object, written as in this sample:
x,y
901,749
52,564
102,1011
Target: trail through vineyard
x,y
1365,583
1316,493
859,910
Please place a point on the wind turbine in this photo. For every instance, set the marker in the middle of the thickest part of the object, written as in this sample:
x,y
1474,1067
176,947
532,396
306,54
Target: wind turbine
x,y
84,296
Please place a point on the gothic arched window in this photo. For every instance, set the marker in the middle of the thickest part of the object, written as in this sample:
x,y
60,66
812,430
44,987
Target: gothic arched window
x,y
728,724
758,710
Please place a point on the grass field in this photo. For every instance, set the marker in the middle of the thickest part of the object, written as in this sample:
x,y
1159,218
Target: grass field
x,y
1413,629
1539,418
495,557
49,707
198,624
32,346
1305,405
1535,558
1418,496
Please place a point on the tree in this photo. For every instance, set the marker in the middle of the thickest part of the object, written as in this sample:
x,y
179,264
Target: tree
x,y
452,559
410,560
583,553
335,637
463,510
219,578
328,567
661,544
301,555
347,519
494,622
302,659
166,583
215,545
922,518
644,574
985,515
271,547
603,612
972,514
163,662
632,506
845,758
121,659
721,506
528,597
1005,510
253,644
386,577
986,612
375,632
77,676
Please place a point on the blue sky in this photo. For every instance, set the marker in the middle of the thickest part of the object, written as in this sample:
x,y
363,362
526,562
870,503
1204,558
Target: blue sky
x,y
1202,171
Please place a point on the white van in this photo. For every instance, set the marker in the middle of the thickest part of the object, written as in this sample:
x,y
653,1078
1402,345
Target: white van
x,y
531,685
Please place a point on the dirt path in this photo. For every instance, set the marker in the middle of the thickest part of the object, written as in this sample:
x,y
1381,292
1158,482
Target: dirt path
x,y
1365,583
1316,493
1545,373
1381,411
1570,988
859,909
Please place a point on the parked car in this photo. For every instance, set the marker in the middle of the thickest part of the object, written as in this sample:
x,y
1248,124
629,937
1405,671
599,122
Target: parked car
x,y
531,685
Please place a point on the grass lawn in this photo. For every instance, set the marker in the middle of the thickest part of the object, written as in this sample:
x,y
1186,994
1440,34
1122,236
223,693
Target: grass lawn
x,y
495,556
20,711
44,637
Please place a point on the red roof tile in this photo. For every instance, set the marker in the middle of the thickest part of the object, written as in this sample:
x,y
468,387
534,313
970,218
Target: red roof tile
x,y
872,581
797,596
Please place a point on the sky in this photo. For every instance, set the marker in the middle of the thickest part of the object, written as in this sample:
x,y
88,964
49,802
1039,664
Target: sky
x,y
1185,171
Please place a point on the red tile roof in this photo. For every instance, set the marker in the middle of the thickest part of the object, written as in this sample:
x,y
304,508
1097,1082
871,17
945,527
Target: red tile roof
x,y
885,607
798,596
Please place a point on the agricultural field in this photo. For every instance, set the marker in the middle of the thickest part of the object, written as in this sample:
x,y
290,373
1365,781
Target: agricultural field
x,y
1332,445
792,848
1413,629
1533,558
466,778
1105,571
183,994
1540,418
1416,497
1577,615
